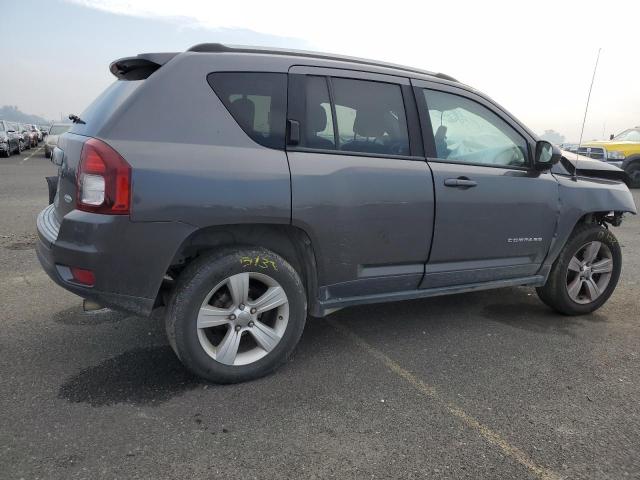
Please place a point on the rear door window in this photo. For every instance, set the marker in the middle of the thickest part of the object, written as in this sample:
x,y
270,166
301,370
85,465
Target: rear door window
x,y
318,120
257,101
370,117
350,115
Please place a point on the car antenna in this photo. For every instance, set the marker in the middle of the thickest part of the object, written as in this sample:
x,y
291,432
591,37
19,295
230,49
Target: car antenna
x,y
584,120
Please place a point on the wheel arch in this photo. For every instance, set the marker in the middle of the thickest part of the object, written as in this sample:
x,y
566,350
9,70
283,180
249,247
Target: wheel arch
x,y
584,201
290,242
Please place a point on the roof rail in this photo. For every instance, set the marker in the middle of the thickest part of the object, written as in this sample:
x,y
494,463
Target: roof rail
x,y
221,48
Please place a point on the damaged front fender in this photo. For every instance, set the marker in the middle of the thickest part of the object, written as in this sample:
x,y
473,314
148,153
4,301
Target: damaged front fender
x,y
582,197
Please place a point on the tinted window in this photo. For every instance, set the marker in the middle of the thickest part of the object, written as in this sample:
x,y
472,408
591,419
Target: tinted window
x,y
466,132
104,106
370,117
318,123
257,101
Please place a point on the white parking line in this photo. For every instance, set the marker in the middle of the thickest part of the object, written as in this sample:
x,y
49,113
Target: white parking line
x,y
24,160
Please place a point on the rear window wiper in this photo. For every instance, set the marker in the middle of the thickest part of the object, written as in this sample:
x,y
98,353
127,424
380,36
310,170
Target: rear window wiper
x,y
76,119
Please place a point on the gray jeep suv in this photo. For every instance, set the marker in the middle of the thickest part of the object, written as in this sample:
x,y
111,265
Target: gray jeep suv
x,y
243,189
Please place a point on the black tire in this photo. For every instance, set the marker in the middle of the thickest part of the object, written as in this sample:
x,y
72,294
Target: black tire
x,y
633,171
555,292
193,286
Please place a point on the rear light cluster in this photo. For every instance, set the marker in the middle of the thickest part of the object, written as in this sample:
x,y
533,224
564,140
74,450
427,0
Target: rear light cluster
x,y
104,180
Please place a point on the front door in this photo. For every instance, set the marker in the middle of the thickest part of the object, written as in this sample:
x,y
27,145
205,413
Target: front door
x,y
495,215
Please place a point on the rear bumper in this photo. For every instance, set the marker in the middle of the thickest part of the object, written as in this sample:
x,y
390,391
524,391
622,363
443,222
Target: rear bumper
x,y
136,305
129,259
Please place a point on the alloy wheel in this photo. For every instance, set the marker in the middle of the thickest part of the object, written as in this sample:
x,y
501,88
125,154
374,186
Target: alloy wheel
x,y
243,318
589,272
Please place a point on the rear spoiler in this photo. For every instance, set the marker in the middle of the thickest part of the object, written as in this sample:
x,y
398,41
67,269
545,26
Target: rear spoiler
x,y
140,66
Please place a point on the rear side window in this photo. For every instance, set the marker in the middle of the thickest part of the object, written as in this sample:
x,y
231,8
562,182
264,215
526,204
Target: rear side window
x,y
257,101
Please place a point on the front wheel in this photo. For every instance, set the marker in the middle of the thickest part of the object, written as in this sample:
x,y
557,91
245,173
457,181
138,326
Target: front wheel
x,y
236,315
634,174
585,273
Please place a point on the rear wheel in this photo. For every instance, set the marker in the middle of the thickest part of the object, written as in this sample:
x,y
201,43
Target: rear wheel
x,y
586,272
236,315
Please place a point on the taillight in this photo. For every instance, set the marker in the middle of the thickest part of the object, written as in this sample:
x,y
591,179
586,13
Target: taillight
x,y
104,180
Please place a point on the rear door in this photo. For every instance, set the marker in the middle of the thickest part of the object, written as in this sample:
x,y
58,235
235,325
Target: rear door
x,y
361,187
495,214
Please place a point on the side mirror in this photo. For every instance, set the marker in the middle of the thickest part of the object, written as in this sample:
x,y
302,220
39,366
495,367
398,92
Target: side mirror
x,y
546,155
611,136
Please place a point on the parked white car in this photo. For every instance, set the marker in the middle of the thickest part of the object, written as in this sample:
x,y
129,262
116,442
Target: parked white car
x,y
51,140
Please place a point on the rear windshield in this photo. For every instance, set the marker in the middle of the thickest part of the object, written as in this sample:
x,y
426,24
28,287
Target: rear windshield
x,y
103,107
257,102
59,129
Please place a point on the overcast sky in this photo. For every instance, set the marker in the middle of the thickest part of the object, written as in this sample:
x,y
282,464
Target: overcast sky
x,y
535,58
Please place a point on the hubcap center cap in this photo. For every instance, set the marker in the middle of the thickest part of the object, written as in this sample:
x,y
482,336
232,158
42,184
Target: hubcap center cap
x,y
243,317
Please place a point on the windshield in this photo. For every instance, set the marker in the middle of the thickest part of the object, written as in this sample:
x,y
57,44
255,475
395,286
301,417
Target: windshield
x,y
59,129
632,135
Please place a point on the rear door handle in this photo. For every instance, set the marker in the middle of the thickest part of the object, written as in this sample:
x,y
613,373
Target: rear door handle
x,y
459,182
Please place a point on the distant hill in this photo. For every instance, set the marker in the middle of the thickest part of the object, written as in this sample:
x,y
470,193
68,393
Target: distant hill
x,y
11,113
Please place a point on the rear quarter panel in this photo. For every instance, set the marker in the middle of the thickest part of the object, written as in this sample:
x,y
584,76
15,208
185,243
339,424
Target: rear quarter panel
x,y
190,160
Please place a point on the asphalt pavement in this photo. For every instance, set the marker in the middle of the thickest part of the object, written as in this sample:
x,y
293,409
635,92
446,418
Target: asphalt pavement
x,y
481,385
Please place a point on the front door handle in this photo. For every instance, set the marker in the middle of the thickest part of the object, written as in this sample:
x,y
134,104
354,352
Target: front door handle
x,y
459,182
